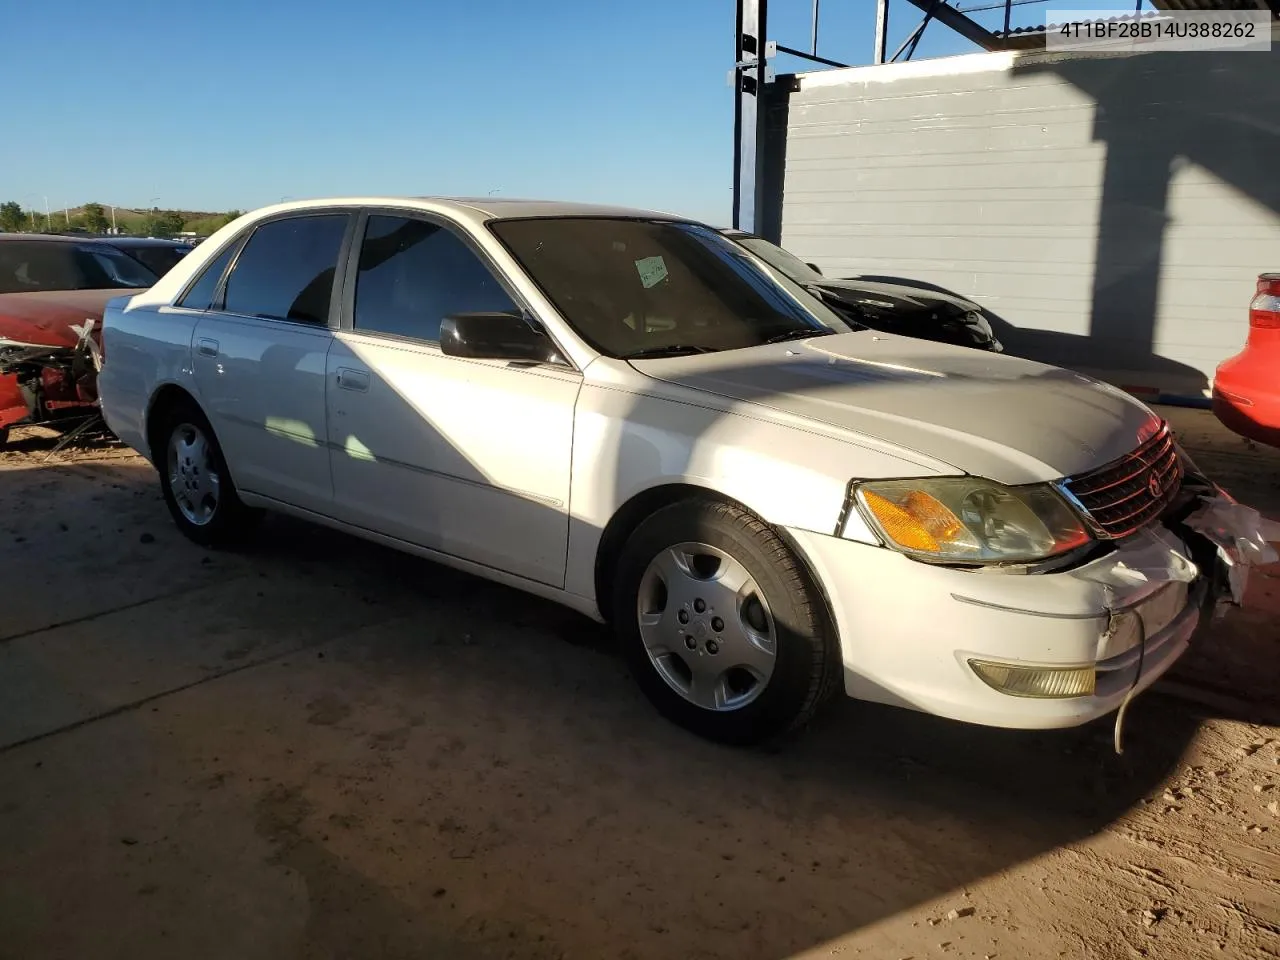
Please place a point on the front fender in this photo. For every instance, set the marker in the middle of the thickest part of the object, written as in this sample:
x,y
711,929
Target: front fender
x,y
790,475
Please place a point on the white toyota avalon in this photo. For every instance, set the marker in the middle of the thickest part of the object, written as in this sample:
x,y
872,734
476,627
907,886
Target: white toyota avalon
x,y
630,414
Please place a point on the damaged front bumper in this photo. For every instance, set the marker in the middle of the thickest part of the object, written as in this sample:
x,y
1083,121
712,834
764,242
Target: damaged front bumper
x,y
1035,650
42,382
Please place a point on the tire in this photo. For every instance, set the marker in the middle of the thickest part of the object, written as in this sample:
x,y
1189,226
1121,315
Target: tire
x,y
197,485
704,590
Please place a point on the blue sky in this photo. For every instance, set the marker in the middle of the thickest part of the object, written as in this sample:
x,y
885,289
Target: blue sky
x,y
237,104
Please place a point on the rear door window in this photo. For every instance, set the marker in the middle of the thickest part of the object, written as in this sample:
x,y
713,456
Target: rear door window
x,y
286,270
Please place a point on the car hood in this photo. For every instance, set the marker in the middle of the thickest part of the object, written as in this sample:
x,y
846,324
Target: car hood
x,y
895,294
46,317
991,415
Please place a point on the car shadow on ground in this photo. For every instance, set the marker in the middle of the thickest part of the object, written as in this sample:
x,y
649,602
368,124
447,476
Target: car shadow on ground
x,y
469,771
466,747
894,807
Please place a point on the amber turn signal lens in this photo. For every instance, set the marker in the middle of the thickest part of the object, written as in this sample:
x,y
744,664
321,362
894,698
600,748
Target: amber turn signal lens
x,y
920,522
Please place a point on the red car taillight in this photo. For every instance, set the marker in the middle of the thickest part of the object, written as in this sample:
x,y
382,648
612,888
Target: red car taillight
x,y
1264,311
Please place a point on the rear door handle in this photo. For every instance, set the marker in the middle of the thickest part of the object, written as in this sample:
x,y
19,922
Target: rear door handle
x,y
207,348
349,379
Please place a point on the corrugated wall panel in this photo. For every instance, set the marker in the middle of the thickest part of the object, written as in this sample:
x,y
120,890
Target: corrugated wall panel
x,y
1112,211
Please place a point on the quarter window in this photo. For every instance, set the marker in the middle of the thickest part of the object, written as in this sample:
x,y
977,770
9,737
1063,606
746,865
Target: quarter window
x,y
286,270
413,274
200,296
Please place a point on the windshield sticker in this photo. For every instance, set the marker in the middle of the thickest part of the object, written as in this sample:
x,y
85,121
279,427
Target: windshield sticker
x,y
652,271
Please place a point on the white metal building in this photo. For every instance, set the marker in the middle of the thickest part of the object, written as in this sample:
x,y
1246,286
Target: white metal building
x,y
1112,212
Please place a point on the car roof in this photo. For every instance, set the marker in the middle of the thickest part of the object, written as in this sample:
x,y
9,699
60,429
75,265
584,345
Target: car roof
x,y
115,241
516,208
476,209
143,241
47,238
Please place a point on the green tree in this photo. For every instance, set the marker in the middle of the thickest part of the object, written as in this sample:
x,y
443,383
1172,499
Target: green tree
x,y
168,223
11,216
95,218
161,223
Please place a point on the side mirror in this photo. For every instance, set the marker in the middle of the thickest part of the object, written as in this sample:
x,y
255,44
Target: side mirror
x,y
496,336
814,268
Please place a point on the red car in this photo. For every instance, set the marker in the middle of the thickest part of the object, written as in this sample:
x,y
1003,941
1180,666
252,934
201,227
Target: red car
x,y
52,294
1246,388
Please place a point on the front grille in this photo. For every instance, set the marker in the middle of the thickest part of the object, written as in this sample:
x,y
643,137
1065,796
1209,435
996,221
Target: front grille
x,y
1127,494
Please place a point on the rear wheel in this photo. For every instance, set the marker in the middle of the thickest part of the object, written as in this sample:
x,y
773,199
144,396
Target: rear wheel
x,y
196,483
721,625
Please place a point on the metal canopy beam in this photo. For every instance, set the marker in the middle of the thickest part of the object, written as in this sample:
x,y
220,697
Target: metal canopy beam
x,y
971,30
760,105
882,31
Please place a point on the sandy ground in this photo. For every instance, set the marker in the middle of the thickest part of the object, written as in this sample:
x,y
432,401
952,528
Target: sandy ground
x,y
320,748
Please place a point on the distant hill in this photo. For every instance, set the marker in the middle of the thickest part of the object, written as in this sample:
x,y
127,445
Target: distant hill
x,y
129,220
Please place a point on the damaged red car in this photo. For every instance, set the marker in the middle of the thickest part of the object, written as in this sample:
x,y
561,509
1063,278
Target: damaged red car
x,y
52,294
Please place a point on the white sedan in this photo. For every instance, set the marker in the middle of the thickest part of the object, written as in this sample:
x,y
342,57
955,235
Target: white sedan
x,y
628,413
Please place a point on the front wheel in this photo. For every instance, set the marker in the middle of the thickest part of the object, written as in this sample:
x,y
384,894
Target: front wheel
x,y
196,482
721,625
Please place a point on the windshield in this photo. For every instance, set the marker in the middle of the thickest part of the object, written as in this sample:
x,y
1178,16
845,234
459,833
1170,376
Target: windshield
x,y
35,266
635,288
781,260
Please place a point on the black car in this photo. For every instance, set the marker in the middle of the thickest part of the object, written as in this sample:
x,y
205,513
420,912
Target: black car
x,y
894,306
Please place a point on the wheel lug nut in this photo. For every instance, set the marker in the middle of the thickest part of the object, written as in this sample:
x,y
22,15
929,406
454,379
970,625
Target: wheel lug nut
x,y
683,616
699,606
717,624
713,647
690,642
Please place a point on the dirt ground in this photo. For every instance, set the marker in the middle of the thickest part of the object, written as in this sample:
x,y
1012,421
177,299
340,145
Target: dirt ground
x,y
320,748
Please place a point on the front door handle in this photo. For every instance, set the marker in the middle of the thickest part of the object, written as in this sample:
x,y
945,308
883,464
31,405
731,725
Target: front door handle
x,y
207,348
349,379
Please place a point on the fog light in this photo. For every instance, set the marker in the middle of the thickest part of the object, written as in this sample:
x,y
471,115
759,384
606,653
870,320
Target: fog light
x,y
1043,682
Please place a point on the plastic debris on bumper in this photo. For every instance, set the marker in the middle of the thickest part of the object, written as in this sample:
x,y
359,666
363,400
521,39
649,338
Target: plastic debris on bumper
x,y
1242,536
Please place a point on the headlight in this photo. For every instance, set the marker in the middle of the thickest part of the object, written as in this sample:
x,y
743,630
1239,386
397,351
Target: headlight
x,y
967,519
